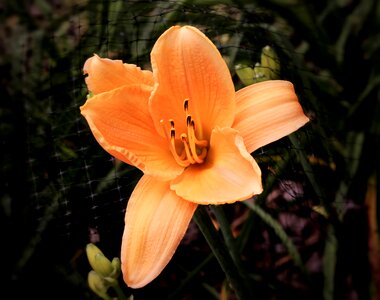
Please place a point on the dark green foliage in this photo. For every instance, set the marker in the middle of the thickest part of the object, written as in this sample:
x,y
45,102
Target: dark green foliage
x,y
58,186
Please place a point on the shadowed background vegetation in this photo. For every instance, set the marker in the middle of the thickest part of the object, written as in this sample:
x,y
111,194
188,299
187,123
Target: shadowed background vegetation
x,y
313,232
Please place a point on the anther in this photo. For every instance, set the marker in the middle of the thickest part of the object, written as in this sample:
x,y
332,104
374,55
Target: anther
x,y
192,150
172,134
188,120
186,105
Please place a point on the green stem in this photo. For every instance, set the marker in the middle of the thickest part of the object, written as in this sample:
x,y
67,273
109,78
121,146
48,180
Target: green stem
x,y
231,242
309,172
202,219
114,283
175,295
329,263
227,234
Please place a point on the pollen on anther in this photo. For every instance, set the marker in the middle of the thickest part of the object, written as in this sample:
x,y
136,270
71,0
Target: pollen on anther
x,y
186,105
172,133
193,124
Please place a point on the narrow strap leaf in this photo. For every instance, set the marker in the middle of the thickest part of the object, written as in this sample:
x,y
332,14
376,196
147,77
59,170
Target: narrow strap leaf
x,y
279,231
202,219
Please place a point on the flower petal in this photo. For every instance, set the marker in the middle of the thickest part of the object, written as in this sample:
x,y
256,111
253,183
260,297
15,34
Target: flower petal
x,y
122,125
266,112
106,74
187,65
155,222
228,175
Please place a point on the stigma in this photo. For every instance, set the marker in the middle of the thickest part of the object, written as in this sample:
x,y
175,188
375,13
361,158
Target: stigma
x,y
185,147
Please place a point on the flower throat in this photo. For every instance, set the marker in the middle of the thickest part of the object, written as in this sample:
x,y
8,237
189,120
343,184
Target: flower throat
x,y
192,150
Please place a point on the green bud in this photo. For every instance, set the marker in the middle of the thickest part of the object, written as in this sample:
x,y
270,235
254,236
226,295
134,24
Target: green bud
x,y
116,264
270,63
268,68
259,73
245,74
98,285
99,263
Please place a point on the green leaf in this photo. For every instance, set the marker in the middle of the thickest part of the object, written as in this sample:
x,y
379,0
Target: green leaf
x,y
279,231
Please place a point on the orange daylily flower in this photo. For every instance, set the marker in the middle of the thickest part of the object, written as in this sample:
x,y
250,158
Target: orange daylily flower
x,y
191,134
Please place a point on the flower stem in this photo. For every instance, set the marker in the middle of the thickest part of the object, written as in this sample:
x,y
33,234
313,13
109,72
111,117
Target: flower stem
x,y
119,292
202,219
227,234
231,243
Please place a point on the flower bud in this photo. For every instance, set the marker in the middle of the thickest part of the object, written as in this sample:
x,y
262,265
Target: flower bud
x,y
270,63
98,285
116,264
259,73
99,263
245,74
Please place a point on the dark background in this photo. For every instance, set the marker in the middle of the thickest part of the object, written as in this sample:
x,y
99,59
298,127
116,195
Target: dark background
x,y
60,190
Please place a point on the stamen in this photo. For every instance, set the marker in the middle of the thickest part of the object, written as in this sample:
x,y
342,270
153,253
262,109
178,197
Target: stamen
x,y
203,155
193,148
179,159
186,147
172,134
188,120
201,143
186,106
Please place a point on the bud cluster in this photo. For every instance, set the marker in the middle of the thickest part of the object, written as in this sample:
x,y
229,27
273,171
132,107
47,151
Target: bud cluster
x,y
104,273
